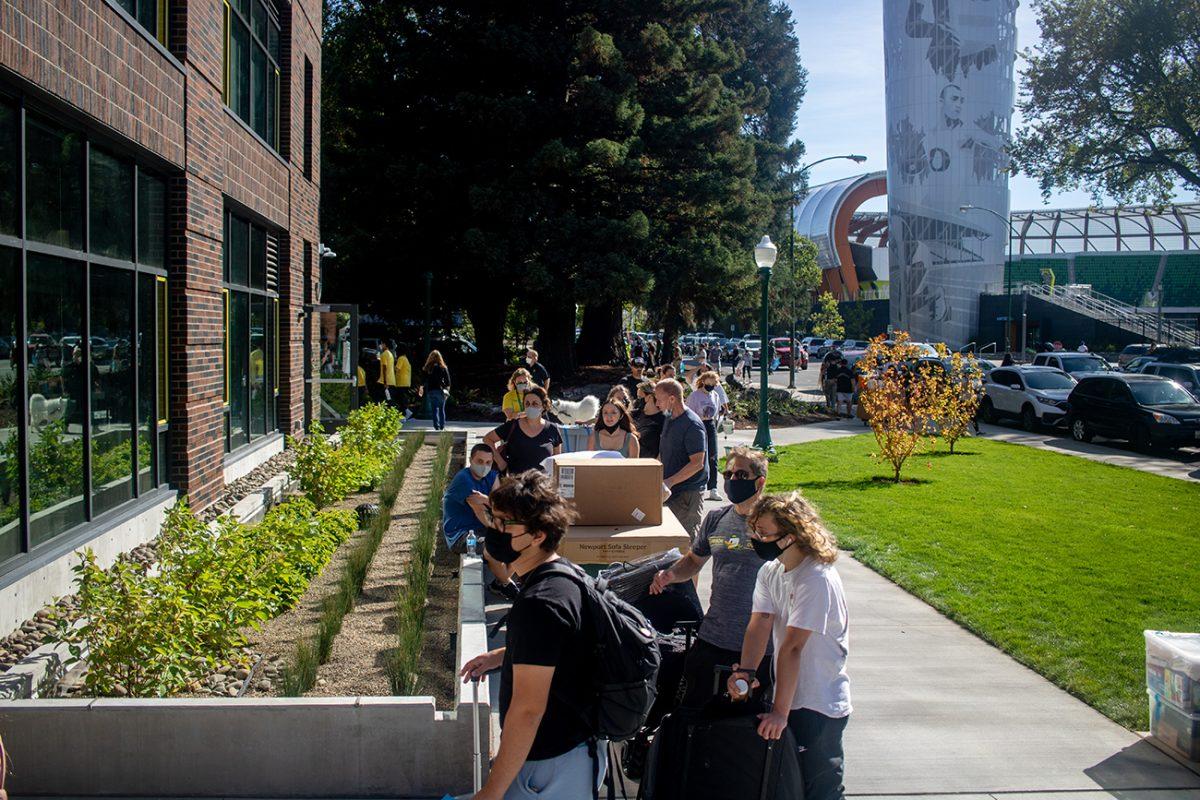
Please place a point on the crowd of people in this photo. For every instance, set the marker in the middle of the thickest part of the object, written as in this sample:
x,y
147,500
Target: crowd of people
x,y
776,618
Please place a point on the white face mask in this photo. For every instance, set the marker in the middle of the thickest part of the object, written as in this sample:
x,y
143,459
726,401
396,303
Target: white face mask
x,y
529,361
481,470
533,413
521,387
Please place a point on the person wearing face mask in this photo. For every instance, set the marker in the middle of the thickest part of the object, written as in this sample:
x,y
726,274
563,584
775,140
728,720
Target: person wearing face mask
x,y
648,421
513,404
464,509
799,604
544,740
541,375
707,405
522,443
725,538
684,455
615,431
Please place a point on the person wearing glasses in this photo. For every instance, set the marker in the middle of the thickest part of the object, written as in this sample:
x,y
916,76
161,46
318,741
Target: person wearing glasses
x,y
522,443
725,538
800,606
544,739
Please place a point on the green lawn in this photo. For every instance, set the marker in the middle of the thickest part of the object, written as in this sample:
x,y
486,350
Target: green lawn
x,y
1059,561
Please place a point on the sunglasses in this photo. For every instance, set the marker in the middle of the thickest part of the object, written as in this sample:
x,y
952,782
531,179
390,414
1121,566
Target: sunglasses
x,y
738,475
499,524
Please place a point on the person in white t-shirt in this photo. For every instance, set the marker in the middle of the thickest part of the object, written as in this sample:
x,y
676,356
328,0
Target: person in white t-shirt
x,y
799,602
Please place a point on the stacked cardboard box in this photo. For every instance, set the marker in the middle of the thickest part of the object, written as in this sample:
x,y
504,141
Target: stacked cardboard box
x,y
620,506
1173,683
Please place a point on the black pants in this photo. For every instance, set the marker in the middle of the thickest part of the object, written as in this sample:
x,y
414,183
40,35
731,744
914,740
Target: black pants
x,y
698,672
710,430
821,759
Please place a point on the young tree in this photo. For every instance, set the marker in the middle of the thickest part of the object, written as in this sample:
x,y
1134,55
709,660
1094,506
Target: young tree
x,y
1112,96
958,391
827,320
900,399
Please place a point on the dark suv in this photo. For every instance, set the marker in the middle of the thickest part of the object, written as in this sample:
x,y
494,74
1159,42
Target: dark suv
x,y
1146,410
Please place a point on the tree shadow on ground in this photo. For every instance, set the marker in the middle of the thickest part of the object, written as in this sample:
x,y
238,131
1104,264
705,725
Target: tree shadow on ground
x,y
947,454
860,484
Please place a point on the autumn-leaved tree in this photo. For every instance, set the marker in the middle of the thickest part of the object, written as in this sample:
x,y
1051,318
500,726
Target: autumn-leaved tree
x,y
827,320
901,397
958,390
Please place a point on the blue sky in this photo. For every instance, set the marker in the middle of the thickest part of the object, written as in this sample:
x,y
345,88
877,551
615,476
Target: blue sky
x,y
843,112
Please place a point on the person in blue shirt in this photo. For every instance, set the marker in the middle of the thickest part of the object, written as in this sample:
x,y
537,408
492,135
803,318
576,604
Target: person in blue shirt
x,y
465,509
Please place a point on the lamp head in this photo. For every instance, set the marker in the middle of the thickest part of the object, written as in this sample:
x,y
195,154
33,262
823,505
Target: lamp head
x,y
965,209
858,159
765,252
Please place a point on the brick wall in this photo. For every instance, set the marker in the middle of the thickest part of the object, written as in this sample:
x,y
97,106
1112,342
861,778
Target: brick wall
x,y
88,58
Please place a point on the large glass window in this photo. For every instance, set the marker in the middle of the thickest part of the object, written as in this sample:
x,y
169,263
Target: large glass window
x,y
80,367
112,387
10,404
54,184
58,382
252,65
110,184
239,313
150,14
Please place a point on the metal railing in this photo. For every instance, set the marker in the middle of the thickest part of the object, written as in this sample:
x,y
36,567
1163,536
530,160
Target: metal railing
x,y
1087,301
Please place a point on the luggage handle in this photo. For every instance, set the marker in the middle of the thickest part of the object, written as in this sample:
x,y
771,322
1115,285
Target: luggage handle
x,y
475,747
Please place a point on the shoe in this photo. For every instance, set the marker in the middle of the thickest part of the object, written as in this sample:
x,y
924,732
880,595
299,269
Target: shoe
x,y
713,495
508,591
407,414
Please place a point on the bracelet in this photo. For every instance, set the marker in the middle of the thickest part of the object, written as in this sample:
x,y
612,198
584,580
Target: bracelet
x,y
749,673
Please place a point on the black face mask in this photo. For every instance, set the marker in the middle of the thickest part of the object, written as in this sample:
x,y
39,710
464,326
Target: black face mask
x,y
739,490
609,428
499,546
767,551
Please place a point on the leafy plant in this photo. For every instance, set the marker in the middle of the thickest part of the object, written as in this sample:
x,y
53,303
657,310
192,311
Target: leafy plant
x,y
958,398
901,398
327,474
826,319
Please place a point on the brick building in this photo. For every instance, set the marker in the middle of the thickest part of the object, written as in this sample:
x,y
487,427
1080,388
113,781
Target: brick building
x,y
159,187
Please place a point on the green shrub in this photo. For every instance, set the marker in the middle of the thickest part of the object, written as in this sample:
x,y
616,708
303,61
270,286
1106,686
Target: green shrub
x,y
368,448
150,633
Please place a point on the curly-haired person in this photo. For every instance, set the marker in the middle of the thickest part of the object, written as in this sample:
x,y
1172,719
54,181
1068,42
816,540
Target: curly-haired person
x,y
800,604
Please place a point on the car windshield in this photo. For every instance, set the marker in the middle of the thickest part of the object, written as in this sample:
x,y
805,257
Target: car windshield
x,y
1159,393
1085,364
1048,380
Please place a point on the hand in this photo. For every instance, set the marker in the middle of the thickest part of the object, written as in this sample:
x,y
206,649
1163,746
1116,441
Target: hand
x,y
662,579
480,665
477,500
772,725
735,692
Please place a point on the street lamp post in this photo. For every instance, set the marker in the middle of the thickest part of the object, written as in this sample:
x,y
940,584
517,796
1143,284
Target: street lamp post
x,y
795,199
1007,273
764,257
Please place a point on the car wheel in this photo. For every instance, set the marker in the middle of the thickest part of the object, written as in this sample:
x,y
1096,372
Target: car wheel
x,y
1080,430
988,411
1029,420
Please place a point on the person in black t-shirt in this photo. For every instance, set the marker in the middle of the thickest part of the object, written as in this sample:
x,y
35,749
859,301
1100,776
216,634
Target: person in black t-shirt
x,y
541,375
648,418
524,442
844,376
543,668
636,375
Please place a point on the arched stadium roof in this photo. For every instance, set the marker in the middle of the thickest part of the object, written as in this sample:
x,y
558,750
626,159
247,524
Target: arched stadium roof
x,y
1131,229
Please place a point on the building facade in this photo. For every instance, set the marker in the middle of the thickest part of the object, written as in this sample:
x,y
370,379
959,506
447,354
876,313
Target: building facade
x,y
949,87
159,185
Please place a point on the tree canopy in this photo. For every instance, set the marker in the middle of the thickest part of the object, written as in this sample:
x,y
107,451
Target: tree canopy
x,y
1112,95
539,156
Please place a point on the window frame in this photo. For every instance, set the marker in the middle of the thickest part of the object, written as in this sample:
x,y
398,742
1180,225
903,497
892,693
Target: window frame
x,y
230,15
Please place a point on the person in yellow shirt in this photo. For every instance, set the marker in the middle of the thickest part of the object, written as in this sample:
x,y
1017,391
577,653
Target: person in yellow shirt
x,y
403,390
360,379
513,403
387,370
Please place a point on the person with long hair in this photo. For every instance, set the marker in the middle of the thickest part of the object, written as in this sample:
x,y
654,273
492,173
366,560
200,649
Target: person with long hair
x,y
522,443
799,604
706,404
614,430
648,421
513,404
622,395
435,384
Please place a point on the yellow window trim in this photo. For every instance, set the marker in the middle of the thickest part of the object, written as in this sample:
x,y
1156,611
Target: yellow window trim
x,y
228,46
163,383
162,22
278,81
276,302
227,376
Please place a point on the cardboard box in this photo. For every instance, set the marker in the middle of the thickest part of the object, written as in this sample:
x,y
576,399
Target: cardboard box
x,y
609,544
612,491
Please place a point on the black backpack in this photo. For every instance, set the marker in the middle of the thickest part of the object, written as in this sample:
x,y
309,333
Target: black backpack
x,y
626,657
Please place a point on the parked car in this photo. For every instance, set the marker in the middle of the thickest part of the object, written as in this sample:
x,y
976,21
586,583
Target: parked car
x,y
1176,355
1146,410
1135,364
1131,352
1186,375
1077,364
780,345
1035,395
829,345
855,344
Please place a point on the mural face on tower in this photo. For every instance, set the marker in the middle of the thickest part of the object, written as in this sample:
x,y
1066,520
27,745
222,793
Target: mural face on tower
x,y
950,92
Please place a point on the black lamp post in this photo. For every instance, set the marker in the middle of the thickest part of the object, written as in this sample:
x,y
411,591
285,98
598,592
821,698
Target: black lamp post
x,y
764,256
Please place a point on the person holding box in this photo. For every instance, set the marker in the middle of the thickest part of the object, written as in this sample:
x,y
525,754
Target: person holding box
x,y
799,604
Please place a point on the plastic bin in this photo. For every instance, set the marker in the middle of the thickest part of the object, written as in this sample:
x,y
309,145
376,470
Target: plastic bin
x,y
575,437
1173,668
1175,728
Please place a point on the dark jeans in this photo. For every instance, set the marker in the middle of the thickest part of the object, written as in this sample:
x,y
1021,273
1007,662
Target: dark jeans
x,y
821,761
699,667
710,430
437,407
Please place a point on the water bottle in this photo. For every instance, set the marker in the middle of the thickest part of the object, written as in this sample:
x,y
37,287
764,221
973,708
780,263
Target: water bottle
x,y
742,686
472,543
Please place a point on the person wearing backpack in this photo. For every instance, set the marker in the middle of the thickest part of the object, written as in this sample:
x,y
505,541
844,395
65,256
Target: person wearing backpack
x,y
725,538
553,719
800,605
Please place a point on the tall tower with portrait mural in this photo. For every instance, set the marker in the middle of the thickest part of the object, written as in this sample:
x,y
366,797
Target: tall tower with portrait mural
x,y
949,67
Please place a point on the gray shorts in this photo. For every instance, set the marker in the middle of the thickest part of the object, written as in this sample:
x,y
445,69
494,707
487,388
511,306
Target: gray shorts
x,y
570,776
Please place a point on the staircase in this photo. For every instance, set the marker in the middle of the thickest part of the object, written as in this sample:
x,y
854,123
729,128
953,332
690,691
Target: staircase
x,y
1084,300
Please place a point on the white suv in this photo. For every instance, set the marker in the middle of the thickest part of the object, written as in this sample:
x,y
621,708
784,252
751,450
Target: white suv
x,y
1076,364
1035,395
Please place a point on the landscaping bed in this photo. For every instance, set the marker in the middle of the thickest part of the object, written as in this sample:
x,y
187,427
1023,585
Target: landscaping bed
x,y
1059,561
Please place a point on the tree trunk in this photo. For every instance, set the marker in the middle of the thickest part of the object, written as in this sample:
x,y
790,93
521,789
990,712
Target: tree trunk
x,y
600,337
488,315
556,336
